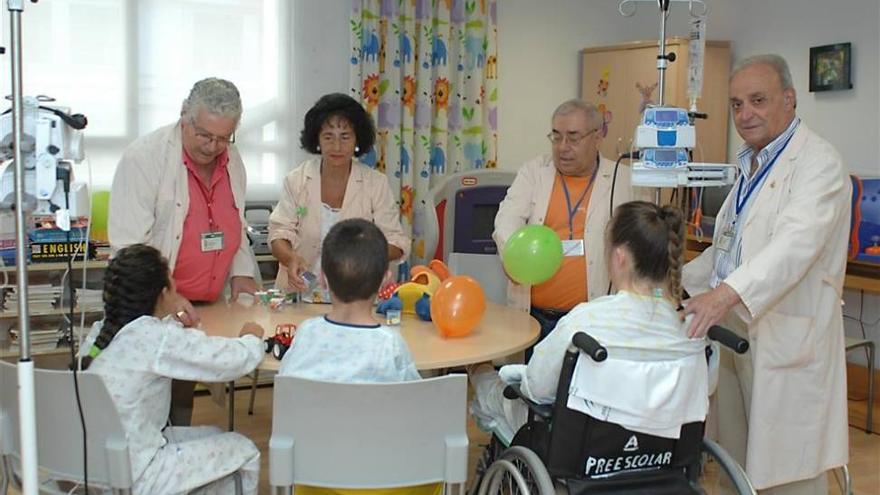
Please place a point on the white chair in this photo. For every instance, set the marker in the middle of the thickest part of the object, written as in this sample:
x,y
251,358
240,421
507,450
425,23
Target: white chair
x,y
368,435
59,432
485,269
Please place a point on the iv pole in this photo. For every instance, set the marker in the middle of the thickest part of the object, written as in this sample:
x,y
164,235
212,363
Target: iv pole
x,y
26,403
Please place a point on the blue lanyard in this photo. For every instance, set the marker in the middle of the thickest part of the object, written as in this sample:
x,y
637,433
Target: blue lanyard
x,y
573,211
756,183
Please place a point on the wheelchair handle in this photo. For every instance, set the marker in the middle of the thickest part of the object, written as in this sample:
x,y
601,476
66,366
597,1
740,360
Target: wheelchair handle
x,y
511,392
590,346
729,339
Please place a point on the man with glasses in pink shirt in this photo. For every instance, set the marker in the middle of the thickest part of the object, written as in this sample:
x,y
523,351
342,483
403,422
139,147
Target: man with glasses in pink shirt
x,y
181,189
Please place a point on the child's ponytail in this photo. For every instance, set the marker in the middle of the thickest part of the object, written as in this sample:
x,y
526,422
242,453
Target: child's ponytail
x,y
133,281
675,227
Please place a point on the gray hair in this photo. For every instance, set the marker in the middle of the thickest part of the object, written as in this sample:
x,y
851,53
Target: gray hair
x,y
576,104
217,96
776,62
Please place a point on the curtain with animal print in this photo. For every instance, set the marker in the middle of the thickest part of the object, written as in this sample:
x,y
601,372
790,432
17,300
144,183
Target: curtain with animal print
x,y
426,70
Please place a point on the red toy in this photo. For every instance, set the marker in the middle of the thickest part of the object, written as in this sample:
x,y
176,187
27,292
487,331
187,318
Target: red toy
x,y
387,291
279,343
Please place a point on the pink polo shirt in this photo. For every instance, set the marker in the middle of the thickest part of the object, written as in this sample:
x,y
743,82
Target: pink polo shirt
x,y
200,275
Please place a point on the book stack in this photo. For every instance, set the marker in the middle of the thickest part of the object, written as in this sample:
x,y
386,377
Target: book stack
x,y
51,244
41,298
88,299
46,338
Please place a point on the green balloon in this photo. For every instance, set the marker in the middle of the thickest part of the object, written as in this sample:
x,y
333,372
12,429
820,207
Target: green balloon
x,y
532,255
100,206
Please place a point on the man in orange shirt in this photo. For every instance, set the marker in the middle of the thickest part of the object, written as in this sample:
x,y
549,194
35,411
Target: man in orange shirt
x,y
181,189
571,190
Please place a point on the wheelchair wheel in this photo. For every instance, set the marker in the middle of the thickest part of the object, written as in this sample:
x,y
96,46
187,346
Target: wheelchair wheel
x,y
518,471
491,452
722,473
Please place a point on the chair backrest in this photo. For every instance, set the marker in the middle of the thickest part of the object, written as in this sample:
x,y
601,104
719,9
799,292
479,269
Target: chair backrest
x,y
368,435
485,269
8,400
59,431
580,446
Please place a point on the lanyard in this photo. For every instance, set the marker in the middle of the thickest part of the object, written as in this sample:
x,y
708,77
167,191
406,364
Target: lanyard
x,y
756,183
573,211
208,195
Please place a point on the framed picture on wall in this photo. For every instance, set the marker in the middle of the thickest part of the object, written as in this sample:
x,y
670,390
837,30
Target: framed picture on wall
x,y
830,67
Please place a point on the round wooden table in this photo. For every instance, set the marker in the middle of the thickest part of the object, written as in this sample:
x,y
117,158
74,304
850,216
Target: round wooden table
x,y
502,331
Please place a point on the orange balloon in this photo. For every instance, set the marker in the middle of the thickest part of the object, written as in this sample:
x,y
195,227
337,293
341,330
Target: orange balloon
x,y
440,269
458,306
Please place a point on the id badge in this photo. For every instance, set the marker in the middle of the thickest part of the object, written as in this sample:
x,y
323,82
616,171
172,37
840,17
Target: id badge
x,y
212,241
573,247
725,242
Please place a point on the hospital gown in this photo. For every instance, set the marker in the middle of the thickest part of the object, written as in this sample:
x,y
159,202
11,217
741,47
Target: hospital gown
x,y
639,328
338,352
137,368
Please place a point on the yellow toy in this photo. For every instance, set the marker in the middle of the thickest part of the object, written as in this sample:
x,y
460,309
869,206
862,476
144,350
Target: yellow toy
x,y
423,280
409,293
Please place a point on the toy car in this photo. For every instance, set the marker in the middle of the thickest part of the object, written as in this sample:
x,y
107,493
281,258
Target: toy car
x,y
279,343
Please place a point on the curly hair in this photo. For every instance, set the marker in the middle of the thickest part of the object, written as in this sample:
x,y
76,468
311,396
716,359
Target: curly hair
x,y
217,96
133,281
655,237
344,107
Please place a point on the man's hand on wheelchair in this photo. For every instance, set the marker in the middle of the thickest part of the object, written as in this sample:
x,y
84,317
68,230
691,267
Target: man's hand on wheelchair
x,y
709,309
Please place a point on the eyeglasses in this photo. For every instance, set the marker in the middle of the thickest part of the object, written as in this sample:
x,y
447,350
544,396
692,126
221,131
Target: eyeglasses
x,y
206,137
573,138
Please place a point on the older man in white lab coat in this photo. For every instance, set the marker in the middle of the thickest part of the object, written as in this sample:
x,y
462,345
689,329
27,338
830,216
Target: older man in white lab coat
x,y
778,260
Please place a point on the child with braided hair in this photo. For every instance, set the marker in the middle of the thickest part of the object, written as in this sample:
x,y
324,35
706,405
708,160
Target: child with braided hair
x,y
137,349
643,249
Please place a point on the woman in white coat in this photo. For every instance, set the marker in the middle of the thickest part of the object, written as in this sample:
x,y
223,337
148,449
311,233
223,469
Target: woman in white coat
x,y
332,187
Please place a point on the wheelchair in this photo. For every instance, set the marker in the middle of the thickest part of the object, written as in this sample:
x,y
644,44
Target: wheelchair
x,y
561,450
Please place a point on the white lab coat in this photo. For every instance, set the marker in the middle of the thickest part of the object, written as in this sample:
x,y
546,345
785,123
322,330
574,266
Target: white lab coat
x,y
526,204
790,281
297,217
149,199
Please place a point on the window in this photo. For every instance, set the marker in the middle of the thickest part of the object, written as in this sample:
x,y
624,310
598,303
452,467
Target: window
x,y
128,64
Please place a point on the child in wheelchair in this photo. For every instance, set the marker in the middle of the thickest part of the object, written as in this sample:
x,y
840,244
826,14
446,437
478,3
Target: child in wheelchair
x,y
614,399
644,245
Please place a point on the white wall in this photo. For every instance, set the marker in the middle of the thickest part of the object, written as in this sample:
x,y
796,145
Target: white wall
x,y
848,119
539,65
320,52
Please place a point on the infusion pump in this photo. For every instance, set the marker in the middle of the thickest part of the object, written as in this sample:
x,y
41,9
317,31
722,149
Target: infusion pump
x,y
664,139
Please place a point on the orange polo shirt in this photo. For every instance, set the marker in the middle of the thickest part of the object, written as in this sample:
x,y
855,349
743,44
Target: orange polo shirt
x,y
569,286
201,275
